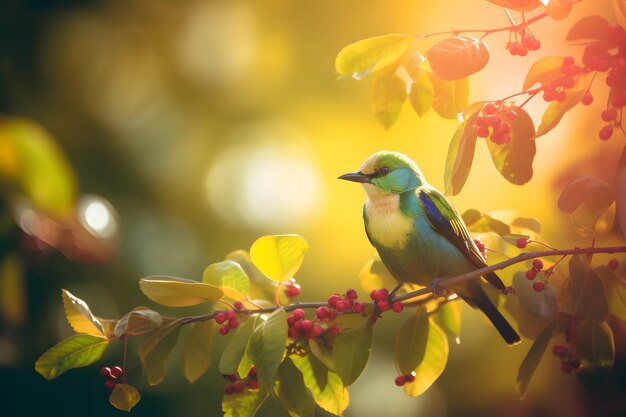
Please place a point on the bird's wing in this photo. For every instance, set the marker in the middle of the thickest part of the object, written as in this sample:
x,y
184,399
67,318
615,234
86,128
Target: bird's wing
x,y
365,224
447,222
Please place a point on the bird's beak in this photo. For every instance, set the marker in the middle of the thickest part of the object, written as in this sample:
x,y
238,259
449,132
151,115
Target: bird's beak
x,y
355,177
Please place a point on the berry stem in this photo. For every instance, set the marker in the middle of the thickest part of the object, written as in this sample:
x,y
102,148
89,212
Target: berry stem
x,y
125,337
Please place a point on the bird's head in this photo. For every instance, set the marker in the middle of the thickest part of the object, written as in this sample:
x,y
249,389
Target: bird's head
x,y
387,172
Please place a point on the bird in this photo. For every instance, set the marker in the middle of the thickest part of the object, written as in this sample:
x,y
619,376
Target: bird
x,y
419,236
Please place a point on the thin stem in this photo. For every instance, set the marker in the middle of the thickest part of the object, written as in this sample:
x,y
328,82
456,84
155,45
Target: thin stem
x,y
485,32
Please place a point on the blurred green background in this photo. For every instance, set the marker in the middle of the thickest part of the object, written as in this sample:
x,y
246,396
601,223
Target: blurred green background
x,y
198,126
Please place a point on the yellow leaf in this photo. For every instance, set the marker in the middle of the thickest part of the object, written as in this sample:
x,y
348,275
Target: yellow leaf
x,y
388,95
80,316
197,350
432,364
374,275
372,54
178,292
279,256
124,397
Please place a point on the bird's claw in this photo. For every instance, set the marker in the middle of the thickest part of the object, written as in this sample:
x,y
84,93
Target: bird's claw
x,y
509,290
437,292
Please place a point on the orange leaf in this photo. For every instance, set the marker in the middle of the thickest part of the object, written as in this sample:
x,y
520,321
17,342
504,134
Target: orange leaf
x,y
458,57
517,4
544,71
588,28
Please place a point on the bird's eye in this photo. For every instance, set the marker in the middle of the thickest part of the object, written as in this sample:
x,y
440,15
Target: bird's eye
x,y
383,171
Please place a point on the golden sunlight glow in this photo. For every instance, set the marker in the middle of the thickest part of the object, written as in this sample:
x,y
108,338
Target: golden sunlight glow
x,y
98,216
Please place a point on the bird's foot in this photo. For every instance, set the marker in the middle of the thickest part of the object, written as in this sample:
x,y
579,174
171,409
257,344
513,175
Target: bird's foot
x,y
437,291
509,290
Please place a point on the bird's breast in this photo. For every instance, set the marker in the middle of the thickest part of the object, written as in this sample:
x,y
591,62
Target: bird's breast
x,y
386,224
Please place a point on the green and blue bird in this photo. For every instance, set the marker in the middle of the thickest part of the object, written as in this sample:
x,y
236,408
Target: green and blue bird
x,y
419,235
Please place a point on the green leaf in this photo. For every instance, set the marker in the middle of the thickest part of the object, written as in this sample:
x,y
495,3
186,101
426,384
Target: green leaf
x,y
520,5
374,275
197,349
586,290
245,404
267,346
228,275
448,318
155,350
478,222
514,160
528,223
433,363
34,164
178,292
615,291
351,351
596,350
292,392
74,352
234,351
557,109
457,57
279,256
411,343
388,96
421,92
588,190
322,351
533,357
372,54
451,97
592,27
461,151
124,397
137,320
329,393
80,316
544,71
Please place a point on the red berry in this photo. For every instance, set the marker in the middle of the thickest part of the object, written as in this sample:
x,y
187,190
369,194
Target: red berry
x,y
560,96
482,132
342,305
609,114
117,372
321,313
382,294
333,299
535,45
228,389
568,60
334,329
539,286
223,330
613,264
315,331
110,384
105,372
291,320
559,350
522,50
383,305
292,290
298,313
352,294
531,274
306,326
233,377
606,132
238,305
358,307
252,372
253,384
293,332
409,378
537,264
511,114
400,380
587,99
567,367
568,82
233,323
238,387
220,318
483,121
397,306
230,314
522,242
575,362
489,108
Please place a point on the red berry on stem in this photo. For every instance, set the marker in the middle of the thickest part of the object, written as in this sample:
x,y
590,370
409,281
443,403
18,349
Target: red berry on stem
x,y
315,331
238,305
238,387
105,372
537,264
293,332
306,326
333,299
220,318
400,380
559,350
409,378
117,372
110,384
587,99
397,306
568,60
511,114
253,384
382,294
233,323
609,114
482,132
252,371
334,329
383,305
342,305
522,242
358,307
489,108
228,389
539,286
223,329
321,313
567,367
352,294
531,274
298,313
230,314
606,132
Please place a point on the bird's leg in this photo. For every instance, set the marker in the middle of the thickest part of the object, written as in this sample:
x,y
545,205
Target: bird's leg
x,y
437,292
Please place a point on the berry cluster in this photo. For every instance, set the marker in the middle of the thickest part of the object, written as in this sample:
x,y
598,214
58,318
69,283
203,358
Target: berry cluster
x,y
522,242
494,122
403,379
112,375
568,362
237,385
528,43
341,304
292,289
532,274
300,326
381,296
228,319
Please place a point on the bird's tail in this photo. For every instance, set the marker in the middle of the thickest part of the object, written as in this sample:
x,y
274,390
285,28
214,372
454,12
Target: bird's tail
x,y
478,298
